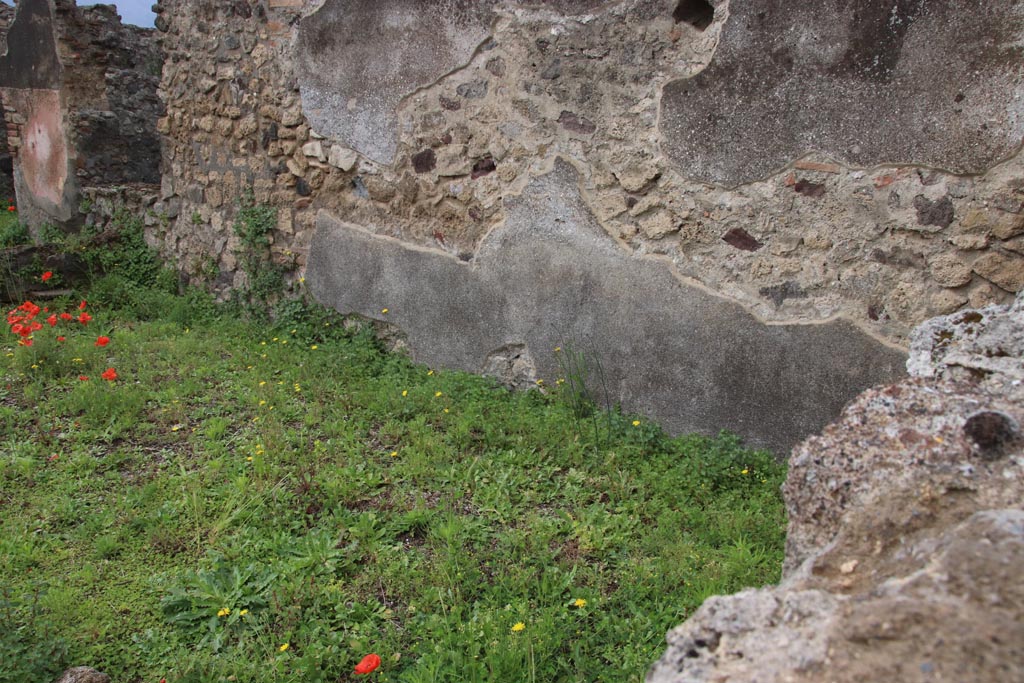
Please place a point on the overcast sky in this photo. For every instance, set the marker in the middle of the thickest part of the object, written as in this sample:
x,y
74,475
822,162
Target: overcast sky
x,y
136,12
132,11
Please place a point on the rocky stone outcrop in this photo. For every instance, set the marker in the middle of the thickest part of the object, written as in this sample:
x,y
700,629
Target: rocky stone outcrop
x,y
83,674
906,533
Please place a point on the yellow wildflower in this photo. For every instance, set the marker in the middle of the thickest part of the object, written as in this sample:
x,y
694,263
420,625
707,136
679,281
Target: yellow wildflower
x,y
384,311
405,392
313,347
518,626
636,423
224,611
242,612
745,471
394,454
580,602
438,394
429,373
263,384
284,647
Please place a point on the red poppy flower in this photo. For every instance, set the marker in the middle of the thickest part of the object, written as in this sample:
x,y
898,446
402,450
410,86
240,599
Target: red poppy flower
x,y
109,374
25,342
11,208
52,320
84,378
66,316
46,276
369,663
81,306
30,308
61,339
102,341
84,317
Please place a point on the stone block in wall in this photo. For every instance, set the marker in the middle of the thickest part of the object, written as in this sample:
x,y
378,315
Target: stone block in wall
x,y
1005,269
342,158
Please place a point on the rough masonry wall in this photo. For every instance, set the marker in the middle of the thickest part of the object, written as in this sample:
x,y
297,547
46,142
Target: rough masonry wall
x,y
6,164
112,73
322,106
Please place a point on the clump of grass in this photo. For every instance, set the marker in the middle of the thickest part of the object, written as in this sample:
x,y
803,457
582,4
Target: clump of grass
x,y
272,503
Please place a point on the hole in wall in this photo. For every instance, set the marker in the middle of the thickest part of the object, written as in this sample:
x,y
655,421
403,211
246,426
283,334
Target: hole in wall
x,y
696,13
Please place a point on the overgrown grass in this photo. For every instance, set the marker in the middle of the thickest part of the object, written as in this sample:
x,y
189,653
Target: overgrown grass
x,y
242,487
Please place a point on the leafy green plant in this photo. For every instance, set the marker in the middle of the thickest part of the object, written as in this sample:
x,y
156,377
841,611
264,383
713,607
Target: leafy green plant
x,y
264,278
30,649
121,251
13,232
212,606
582,377
51,234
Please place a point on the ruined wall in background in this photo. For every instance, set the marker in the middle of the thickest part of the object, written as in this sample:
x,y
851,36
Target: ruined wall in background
x,y
80,102
6,164
112,73
771,193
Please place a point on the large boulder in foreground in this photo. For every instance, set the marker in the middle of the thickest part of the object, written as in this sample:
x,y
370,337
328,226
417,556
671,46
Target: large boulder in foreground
x,y
906,533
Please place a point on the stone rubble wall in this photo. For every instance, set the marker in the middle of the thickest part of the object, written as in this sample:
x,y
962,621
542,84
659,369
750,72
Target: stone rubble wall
x,y
808,238
868,169
112,72
6,164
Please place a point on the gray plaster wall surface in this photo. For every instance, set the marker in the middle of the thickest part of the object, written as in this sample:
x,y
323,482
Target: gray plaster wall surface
x,y
549,277
391,50
930,83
